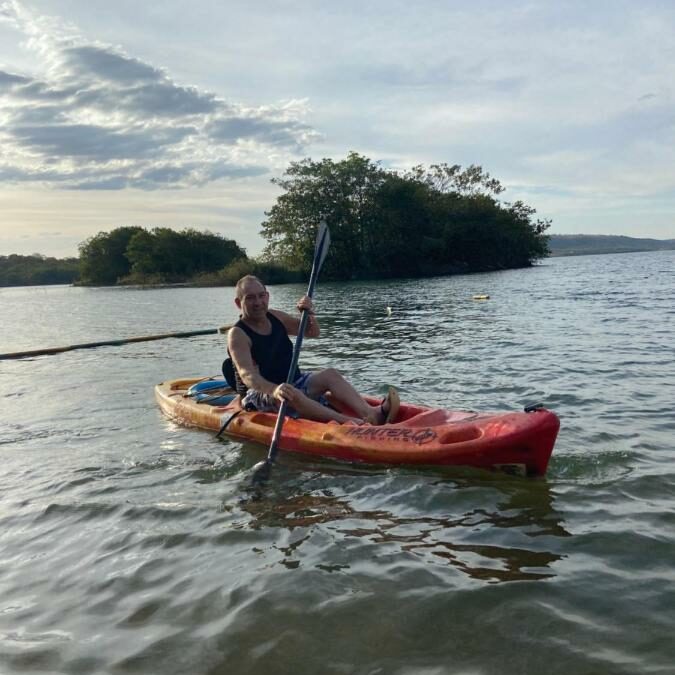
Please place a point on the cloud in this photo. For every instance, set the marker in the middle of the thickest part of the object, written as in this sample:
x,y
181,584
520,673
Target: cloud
x,y
96,143
108,65
285,133
8,80
96,118
155,177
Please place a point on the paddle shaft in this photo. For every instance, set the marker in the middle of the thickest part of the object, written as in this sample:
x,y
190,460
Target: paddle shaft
x,y
271,455
107,343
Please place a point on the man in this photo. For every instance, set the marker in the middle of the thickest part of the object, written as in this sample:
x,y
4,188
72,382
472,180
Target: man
x,y
261,354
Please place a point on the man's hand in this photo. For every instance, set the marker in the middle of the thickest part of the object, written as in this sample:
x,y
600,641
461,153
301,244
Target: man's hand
x,y
286,392
305,302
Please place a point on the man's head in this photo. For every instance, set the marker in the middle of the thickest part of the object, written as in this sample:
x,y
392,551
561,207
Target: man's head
x,y
248,281
252,297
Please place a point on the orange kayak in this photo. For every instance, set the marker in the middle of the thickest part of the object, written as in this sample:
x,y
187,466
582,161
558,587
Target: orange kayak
x,y
516,442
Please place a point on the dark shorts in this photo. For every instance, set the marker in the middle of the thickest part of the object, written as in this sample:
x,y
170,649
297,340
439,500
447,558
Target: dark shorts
x,y
255,400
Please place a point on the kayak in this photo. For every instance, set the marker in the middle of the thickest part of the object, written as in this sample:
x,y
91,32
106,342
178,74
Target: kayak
x,y
515,442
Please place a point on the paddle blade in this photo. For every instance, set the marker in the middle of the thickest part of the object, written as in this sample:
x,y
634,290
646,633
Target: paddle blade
x,y
322,243
261,472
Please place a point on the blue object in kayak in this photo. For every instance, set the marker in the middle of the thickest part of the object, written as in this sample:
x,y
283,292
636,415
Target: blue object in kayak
x,y
200,392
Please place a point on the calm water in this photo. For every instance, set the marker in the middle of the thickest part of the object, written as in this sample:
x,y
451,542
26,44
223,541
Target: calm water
x,y
131,545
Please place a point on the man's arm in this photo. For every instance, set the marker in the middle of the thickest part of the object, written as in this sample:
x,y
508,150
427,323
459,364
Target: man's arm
x,y
292,323
239,346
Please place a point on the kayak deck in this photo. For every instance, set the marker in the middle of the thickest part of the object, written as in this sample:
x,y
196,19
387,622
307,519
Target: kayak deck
x,y
517,442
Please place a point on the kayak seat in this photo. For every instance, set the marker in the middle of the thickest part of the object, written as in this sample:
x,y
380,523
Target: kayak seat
x,y
213,392
206,385
215,400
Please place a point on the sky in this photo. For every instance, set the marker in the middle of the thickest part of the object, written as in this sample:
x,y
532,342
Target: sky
x,y
180,113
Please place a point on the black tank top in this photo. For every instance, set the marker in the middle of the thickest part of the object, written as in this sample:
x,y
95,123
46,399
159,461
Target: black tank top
x,y
272,353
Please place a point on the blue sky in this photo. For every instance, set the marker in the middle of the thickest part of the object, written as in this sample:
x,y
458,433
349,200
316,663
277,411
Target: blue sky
x,y
179,113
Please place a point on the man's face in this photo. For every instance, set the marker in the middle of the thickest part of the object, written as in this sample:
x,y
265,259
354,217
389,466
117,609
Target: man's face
x,y
254,300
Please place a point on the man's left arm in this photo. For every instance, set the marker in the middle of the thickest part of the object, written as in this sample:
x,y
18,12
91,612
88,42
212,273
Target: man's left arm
x,y
292,323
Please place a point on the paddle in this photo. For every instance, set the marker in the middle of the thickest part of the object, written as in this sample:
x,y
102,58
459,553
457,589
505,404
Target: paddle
x,y
262,469
123,341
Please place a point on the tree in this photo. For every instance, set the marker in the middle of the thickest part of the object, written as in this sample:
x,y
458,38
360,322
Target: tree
x,y
211,252
160,251
343,194
161,254
103,257
444,178
36,269
176,256
384,223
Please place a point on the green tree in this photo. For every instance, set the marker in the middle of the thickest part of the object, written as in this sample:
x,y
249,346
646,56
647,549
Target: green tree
x,y
140,253
443,178
103,257
176,256
160,251
32,270
343,194
137,255
384,223
210,252
401,239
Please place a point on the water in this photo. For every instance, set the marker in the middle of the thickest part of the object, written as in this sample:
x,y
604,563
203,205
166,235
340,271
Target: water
x,y
131,545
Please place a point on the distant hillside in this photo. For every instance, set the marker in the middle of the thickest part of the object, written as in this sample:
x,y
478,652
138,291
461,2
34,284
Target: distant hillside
x,y
588,244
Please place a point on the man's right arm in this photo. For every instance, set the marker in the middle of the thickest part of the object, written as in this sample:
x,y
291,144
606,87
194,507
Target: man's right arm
x,y
239,346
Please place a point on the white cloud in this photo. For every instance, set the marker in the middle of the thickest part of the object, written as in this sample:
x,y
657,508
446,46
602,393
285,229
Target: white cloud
x,y
96,118
570,105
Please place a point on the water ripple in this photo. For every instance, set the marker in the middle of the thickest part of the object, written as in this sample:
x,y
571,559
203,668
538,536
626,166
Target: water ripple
x,y
132,545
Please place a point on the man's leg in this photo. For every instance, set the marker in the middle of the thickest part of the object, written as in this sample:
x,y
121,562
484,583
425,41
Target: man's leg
x,y
303,405
343,392
313,410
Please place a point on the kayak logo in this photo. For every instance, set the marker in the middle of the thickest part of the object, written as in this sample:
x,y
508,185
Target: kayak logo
x,y
416,436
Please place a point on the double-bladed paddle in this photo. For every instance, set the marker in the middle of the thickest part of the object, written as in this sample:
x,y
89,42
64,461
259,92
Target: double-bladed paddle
x,y
262,469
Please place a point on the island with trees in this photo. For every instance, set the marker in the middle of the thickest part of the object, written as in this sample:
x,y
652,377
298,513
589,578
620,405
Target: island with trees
x,y
384,224
37,270
134,255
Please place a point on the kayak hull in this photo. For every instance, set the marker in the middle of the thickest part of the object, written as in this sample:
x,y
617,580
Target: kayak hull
x,y
516,442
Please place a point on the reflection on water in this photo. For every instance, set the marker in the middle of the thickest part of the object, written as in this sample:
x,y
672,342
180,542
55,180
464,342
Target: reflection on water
x,y
433,538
